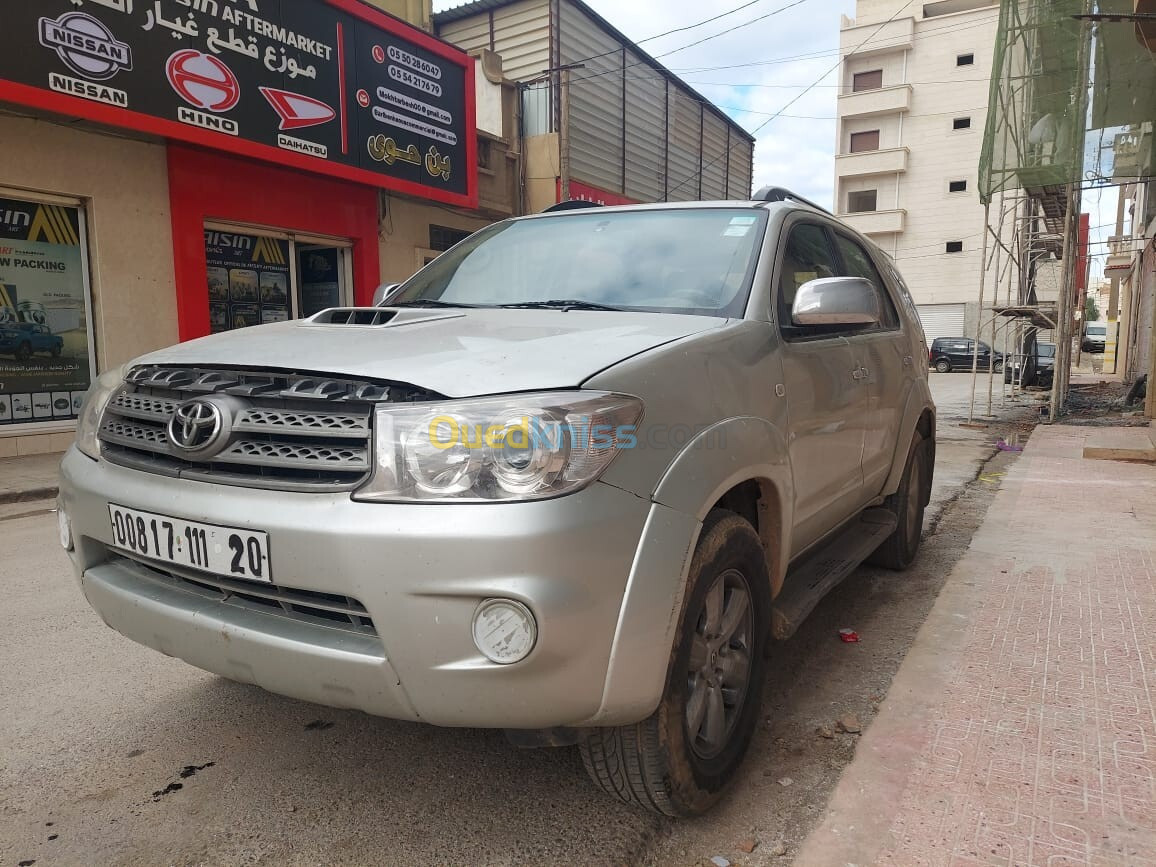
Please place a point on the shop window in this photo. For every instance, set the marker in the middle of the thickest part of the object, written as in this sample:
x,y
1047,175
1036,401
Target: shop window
x,y
441,238
954,247
255,279
872,80
864,141
862,201
961,123
965,60
45,313
957,186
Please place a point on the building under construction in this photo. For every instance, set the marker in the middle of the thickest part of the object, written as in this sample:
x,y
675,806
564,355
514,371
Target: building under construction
x,y
1071,108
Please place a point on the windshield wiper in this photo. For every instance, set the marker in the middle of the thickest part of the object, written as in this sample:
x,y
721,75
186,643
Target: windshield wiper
x,y
559,304
430,302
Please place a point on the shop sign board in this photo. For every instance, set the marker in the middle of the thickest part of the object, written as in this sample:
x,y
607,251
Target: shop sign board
x,y
45,347
330,86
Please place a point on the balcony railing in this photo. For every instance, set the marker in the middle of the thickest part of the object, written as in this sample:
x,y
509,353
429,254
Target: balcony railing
x,y
881,162
876,222
884,100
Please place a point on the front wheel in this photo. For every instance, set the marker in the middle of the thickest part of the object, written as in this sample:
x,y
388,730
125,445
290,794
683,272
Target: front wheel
x,y
943,365
909,504
680,759
55,352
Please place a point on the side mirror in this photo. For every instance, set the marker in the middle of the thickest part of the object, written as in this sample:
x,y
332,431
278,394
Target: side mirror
x,y
382,292
836,301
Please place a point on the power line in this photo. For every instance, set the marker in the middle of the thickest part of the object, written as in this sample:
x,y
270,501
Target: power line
x,y
732,29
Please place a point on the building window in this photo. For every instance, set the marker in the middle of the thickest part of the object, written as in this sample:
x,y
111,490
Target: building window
x,y
954,247
864,141
961,123
965,60
872,80
441,238
484,153
864,200
957,187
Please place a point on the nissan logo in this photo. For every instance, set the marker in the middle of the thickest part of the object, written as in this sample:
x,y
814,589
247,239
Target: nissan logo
x,y
196,425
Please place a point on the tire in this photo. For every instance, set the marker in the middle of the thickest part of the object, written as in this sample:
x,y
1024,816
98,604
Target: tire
x,y
943,365
23,352
55,351
908,503
660,763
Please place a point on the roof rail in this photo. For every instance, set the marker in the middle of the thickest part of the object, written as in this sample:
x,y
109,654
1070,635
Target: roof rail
x,y
781,194
571,205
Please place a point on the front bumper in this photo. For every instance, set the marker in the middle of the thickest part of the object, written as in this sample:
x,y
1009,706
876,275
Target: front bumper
x,y
420,572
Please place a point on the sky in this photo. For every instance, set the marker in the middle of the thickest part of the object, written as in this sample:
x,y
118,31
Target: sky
x,y
795,150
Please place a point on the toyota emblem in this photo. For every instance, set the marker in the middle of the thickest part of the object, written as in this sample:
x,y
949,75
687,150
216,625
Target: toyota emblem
x,y
196,425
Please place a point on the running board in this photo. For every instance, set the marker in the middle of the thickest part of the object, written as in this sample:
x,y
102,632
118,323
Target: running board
x,y
817,575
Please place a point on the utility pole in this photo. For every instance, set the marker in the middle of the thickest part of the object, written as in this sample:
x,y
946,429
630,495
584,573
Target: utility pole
x,y
564,136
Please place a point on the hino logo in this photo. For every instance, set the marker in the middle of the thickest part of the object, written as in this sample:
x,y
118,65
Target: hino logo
x,y
197,426
85,45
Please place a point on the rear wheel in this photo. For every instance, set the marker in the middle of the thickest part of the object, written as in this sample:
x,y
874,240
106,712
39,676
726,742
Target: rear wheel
x,y
909,504
24,351
943,365
680,759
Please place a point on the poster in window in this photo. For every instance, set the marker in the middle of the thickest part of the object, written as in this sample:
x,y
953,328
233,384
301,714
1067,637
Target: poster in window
x,y
248,279
320,282
44,344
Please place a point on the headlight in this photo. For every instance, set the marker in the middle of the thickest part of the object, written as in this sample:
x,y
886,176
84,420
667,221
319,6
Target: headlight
x,y
521,447
99,394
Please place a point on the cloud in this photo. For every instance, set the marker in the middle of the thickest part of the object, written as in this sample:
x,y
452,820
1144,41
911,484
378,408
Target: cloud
x,y
771,62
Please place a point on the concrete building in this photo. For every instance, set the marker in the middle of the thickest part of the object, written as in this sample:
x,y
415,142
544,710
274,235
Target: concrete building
x,y
175,170
602,119
911,114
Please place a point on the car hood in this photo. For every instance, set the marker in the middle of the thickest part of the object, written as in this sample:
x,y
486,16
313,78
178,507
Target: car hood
x,y
458,353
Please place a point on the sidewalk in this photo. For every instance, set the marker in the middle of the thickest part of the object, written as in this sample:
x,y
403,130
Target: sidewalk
x,y
1021,728
32,477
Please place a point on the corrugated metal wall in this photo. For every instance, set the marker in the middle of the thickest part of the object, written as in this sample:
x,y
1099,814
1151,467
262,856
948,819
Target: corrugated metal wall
x,y
633,131
521,35
596,107
646,96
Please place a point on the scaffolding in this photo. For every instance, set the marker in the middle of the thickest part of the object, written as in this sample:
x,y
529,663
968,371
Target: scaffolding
x,y
1066,75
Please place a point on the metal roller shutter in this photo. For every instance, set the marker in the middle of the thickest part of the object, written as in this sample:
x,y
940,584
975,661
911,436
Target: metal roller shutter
x,y
942,320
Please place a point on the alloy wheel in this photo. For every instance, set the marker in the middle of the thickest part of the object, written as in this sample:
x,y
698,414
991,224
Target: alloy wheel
x,y
719,673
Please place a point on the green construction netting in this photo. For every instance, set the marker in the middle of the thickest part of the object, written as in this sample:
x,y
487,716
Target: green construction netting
x,y
1061,87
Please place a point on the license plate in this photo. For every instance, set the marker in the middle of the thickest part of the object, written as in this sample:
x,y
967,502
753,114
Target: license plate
x,y
228,551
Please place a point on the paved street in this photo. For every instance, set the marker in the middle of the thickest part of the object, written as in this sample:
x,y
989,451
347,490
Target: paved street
x,y
113,753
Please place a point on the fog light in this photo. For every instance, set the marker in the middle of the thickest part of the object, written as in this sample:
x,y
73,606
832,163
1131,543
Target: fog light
x,y
65,527
504,630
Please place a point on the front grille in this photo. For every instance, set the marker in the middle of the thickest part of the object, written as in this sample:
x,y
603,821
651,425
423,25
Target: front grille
x,y
312,606
286,430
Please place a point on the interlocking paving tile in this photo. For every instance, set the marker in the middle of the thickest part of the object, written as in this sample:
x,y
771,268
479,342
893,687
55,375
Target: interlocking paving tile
x,y
1041,749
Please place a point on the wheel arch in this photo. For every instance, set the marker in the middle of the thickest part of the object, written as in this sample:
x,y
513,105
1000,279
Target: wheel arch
x,y
918,416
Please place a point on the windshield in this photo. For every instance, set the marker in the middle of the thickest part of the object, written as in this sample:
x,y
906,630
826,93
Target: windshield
x,y
1098,329
1046,350
698,261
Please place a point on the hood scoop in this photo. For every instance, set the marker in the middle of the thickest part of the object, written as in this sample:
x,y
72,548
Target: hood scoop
x,y
375,317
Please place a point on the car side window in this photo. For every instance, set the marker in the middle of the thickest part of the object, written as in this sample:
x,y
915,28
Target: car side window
x,y
807,256
857,263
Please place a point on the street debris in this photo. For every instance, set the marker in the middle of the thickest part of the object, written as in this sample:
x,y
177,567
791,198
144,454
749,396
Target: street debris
x,y
1007,447
777,848
825,731
747,846
848,723
848,636
785,781
720,861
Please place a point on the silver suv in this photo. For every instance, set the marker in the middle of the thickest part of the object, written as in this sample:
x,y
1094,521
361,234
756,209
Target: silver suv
x,y
569,480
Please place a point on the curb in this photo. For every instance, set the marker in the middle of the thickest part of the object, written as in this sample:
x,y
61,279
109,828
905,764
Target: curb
x,y
29,495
